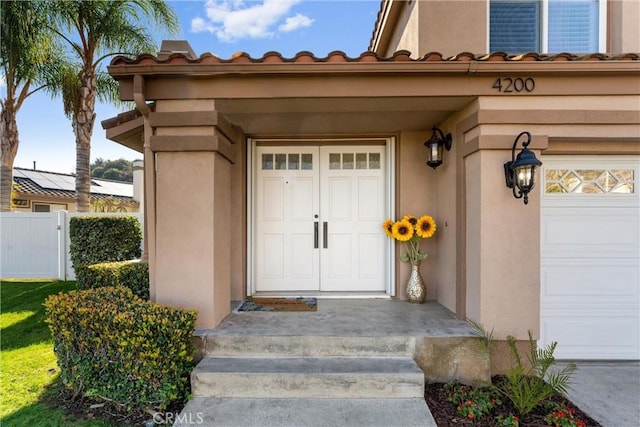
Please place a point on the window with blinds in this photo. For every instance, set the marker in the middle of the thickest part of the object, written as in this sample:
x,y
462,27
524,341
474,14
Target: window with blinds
x,y
516,26
573,26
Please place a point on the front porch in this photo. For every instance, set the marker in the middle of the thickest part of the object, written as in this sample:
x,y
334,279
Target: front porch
x,y
352,360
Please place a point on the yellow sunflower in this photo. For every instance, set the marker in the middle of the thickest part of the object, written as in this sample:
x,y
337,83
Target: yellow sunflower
x,y
387,226
412,219
402,230
426,226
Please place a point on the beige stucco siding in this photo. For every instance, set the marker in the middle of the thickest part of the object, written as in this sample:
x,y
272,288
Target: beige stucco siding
x,y
451,27
415,189
502,250
623,26
184,230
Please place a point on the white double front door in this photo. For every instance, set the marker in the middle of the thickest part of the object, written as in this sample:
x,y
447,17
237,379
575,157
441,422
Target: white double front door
x,y
318,212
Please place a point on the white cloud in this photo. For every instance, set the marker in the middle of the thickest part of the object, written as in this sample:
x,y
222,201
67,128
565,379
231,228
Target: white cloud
x,y
292,23
231,20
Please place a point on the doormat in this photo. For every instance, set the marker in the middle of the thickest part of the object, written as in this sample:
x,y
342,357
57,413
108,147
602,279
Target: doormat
x,y
279,304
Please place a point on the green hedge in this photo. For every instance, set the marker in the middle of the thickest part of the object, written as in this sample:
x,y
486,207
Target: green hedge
x,y
113,345
130,274
97,239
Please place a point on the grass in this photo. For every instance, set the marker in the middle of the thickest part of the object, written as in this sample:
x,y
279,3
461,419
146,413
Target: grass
x,y
27,362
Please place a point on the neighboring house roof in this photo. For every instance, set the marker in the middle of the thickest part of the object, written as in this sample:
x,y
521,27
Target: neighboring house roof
x,y
54,184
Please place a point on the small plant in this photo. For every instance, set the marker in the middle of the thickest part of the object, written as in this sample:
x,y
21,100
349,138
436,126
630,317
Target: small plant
x,y
563,416
471,403
529,383
511,420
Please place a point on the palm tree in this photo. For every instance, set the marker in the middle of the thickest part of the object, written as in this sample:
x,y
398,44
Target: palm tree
x,y
28,60
94,31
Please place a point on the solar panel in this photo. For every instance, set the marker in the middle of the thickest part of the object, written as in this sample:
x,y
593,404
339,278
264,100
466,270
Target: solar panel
x,y
53,181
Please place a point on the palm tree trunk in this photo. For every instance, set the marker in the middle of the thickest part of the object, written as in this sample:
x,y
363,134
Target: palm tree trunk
x,y
9,141
83,121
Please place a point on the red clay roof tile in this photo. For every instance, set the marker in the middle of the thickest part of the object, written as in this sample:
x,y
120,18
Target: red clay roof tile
x,y
339,56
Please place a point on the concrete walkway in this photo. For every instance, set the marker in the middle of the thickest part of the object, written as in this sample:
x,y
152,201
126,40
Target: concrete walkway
x,y
608,391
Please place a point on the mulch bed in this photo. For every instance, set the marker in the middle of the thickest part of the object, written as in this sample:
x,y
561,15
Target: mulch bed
x,y
445,413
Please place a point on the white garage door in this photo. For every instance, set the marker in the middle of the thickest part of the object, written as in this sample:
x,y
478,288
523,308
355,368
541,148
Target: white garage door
x,y
590,256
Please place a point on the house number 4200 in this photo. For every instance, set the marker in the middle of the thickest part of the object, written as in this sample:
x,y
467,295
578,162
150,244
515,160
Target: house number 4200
x,y
514,85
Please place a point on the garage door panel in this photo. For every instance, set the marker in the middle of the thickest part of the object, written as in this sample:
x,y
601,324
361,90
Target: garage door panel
x,y
590,256
592,335
596,281
590,232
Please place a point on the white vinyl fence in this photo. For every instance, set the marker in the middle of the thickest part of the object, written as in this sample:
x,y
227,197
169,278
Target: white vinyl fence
x,y
36,245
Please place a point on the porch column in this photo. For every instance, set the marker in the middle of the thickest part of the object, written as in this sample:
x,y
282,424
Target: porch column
x,y
502,240
194,228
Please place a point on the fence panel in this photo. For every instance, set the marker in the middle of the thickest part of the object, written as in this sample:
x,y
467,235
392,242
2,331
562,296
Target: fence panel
x,y
31,245
35,245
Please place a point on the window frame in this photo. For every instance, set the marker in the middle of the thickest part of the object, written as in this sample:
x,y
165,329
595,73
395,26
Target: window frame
x,y
544,27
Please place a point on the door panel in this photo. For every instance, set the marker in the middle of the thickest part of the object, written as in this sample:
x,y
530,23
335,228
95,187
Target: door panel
x,y
352,203
287,196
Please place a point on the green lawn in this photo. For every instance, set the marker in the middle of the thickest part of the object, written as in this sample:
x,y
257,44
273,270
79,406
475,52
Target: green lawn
x,y
27,361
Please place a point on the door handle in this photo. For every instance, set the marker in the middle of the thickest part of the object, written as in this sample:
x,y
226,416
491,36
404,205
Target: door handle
x,y
315,235
325,234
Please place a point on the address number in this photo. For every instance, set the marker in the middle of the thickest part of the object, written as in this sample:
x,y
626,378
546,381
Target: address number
x,y
514,85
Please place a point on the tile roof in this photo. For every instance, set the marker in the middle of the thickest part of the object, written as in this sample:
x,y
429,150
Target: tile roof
x,y
55,184
339,56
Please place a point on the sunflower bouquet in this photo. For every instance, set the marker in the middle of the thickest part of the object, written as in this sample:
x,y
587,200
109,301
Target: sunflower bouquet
x,y
410,230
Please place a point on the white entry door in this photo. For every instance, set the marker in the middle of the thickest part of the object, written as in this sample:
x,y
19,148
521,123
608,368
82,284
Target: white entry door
x,y
318,215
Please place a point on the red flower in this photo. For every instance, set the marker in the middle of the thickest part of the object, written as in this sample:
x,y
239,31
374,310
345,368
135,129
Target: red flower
x,y
559,414
571,410
470,415
516,419
580,423
469,403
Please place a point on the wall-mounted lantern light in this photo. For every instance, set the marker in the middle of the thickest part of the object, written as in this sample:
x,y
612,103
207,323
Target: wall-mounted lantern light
x,y
434,147
520,171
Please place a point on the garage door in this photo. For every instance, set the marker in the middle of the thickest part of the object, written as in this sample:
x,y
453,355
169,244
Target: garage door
x,y
590,252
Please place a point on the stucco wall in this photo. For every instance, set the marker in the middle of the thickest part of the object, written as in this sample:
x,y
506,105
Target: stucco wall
x,y
405,35
238,213
192,264
451,27
503,249
444,26
185,251
415,191
447,207
623,26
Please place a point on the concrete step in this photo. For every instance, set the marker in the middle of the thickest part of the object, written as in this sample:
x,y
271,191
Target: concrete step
x,y
236,412
328,377
312,346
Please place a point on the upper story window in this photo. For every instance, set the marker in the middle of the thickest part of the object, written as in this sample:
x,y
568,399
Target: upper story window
x,y
548,26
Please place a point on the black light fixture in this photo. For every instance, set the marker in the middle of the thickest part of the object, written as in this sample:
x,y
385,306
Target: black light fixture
x,y
434,147
520,171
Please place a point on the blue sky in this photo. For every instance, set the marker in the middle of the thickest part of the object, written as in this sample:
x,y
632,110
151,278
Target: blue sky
x,y
219,27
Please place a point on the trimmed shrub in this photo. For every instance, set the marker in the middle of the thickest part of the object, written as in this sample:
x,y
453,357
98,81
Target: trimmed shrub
x,y
97,239
130,274
112,345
